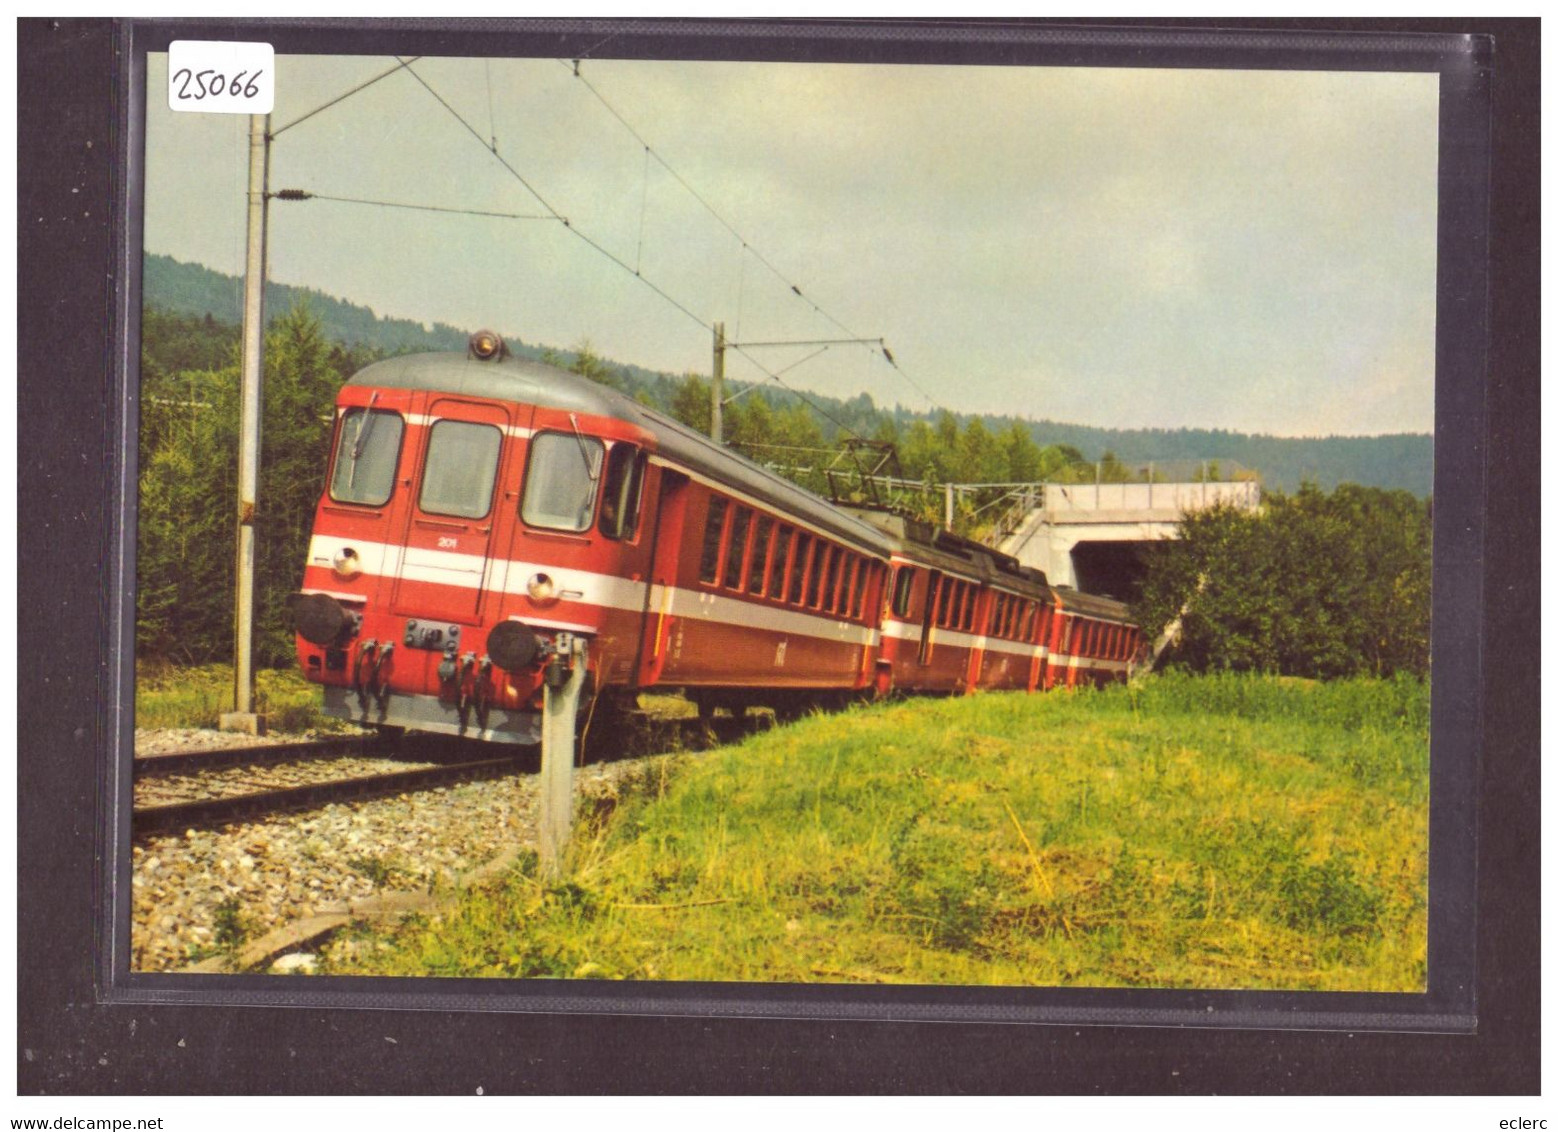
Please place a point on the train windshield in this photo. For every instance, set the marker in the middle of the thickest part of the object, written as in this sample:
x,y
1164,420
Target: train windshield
x,y
560,482
462,463
365,457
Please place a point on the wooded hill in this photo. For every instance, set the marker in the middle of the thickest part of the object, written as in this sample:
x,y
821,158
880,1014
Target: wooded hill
x,y
1395,461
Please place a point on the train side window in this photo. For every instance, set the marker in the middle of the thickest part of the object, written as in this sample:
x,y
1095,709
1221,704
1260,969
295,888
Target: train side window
x,y
998,617
736,548
944,601
863,569
819,561
837,566
462,465
774,586
903,586
757,570
560,481
366,455
713,527
798,569
622,496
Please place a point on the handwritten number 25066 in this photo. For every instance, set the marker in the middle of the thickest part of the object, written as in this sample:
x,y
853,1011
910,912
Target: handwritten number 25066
x,y
209,84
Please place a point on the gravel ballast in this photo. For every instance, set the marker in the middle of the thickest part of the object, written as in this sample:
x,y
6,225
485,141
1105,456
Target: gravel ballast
x,y
195,890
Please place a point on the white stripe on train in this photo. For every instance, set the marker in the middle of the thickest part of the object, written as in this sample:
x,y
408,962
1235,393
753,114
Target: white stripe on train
x,y
471,571
607,591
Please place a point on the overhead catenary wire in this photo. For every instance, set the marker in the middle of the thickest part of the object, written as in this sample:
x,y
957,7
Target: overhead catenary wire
x,y
304,194
729,227
492,125
401,64
645,280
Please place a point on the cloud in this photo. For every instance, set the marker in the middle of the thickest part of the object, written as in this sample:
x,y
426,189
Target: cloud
x,y
1120,247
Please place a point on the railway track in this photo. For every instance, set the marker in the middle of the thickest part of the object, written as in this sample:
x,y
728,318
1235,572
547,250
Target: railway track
x,y
261,754
217,806
209,812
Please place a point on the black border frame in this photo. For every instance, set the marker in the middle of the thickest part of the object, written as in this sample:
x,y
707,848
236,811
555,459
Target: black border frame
x,y
55,101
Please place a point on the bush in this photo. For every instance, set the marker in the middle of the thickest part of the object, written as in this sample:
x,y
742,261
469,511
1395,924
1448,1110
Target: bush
x,y
1312,585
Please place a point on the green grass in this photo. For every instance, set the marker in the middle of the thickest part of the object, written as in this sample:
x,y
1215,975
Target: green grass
x,y
170,696
1199,832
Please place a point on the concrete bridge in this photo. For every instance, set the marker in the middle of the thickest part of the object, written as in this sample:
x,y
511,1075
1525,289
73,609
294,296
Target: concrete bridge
x,y
1088,535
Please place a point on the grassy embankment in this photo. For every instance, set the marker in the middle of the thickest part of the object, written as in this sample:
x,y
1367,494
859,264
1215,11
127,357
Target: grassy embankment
x,y
168,696
1214,832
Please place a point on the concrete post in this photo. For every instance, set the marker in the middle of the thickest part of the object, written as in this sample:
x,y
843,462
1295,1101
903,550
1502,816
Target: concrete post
x,y
559,717
243,717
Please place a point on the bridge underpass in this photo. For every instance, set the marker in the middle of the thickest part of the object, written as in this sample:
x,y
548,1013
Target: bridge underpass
x,y
1091,536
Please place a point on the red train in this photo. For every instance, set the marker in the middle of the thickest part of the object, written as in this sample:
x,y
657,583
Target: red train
x,y
478,506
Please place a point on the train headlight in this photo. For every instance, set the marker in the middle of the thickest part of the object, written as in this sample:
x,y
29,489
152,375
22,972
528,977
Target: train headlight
x,y
541,588
485,346
346,563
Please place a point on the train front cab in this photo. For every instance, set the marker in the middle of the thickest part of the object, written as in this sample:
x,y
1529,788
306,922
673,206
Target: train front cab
x,y
457,540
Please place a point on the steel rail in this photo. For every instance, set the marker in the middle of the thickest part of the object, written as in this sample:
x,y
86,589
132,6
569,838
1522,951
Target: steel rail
x,y
220,811
260,754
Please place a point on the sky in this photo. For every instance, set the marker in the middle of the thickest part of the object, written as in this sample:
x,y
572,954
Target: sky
x,y
1245,250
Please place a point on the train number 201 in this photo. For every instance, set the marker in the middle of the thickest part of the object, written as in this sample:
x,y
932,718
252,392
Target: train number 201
x,y
447,543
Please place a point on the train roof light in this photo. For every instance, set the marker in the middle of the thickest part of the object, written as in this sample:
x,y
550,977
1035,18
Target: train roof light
x,y
486,346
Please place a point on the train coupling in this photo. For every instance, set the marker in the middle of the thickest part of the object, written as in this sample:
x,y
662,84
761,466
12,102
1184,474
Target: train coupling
x,y
448,667
560,654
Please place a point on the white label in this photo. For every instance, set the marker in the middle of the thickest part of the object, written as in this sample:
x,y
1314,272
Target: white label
x,y
211,77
